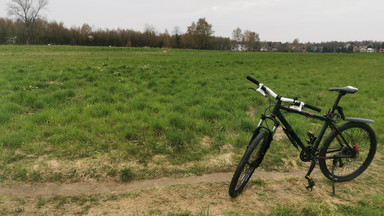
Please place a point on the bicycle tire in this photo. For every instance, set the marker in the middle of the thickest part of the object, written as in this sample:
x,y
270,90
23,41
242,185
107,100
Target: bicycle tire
x,y
251,159
363,139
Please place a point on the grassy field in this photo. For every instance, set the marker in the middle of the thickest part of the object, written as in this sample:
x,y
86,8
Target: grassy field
x,y
71,114
69,103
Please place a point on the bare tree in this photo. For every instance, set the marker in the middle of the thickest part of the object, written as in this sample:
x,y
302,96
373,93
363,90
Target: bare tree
x,y
295,46
251,40
165,39
200,33
177,37
204,32
176,30
28,11
150,35
237,35
237,38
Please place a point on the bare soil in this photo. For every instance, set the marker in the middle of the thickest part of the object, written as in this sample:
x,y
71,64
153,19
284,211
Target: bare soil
x,y
81,188
192,195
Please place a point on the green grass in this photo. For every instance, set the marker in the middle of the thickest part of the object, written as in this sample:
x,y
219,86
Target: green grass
x,y
71,103
370,206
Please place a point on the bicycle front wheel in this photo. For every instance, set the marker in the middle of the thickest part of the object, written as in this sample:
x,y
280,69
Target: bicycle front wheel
x,y
250,161
351,147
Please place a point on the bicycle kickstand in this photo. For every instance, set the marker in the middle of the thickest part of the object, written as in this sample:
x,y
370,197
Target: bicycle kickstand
x,y
333,177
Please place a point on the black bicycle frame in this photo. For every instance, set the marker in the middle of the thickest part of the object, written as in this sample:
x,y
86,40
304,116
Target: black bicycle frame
x,y
294,138
291,134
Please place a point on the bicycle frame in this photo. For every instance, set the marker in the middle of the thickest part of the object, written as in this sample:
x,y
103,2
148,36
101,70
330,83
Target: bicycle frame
x,y
291,134
289,131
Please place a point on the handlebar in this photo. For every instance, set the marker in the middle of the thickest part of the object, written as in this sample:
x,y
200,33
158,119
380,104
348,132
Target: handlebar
x,y
253,80
313,107
263,89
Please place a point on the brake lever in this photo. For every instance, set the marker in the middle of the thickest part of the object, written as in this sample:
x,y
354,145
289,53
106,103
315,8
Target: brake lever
x,y
297,107
259,90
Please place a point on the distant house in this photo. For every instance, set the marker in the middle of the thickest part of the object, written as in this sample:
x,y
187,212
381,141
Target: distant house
x,y
363,49
11,40
239,47
347,45
381,50
370,50
264,49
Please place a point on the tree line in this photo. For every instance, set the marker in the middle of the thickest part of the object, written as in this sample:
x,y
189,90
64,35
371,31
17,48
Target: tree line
x,y
199,35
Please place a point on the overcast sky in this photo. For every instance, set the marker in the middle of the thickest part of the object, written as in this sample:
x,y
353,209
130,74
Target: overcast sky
x,y
274,20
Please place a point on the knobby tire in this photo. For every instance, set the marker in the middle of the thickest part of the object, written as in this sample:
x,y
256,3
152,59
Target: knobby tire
x,y
249,162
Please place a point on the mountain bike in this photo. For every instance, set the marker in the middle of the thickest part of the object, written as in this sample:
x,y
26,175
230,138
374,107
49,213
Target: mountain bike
x,y
346,152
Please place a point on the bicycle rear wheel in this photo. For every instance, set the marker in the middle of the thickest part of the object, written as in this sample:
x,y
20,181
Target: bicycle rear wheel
x,y
351,162
250,161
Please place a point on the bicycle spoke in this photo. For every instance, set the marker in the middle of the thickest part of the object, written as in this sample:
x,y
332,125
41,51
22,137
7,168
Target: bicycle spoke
x,y
351,137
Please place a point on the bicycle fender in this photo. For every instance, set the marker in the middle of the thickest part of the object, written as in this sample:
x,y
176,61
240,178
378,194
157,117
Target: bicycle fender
x,y
359,120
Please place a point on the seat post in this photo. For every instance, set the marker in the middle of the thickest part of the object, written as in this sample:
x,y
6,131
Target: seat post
x,y
341,94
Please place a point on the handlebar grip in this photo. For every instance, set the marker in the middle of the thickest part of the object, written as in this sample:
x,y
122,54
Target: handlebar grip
x,y
313,107
253,80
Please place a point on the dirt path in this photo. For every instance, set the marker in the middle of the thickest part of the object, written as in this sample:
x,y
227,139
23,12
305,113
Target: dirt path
x,y
72,189
194,195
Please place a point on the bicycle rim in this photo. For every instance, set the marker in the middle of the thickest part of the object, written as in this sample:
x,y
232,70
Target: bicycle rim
x,y
363,145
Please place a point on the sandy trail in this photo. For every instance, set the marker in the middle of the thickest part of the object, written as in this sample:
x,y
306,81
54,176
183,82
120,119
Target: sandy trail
x,y
72,189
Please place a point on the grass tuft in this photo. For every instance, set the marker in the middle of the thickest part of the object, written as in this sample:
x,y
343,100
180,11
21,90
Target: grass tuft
x,y
126,175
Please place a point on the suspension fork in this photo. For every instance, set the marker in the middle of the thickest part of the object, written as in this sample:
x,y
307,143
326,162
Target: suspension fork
x,y
261,127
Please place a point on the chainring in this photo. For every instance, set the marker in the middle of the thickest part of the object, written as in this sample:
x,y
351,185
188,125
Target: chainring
x,y
304,155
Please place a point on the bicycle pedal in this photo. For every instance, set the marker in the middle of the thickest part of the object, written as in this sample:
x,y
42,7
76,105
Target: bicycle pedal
x,y
311,183
309,188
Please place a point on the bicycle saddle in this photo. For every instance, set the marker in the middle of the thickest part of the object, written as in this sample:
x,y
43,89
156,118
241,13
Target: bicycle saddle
x,y
346,89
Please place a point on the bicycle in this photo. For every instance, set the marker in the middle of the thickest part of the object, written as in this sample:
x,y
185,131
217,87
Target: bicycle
x,y
346,152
